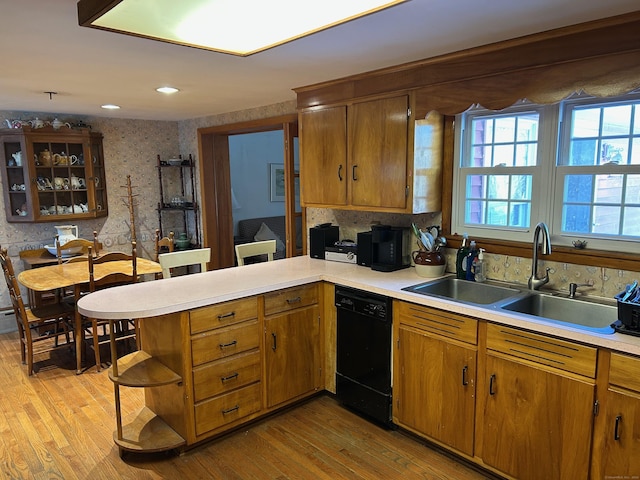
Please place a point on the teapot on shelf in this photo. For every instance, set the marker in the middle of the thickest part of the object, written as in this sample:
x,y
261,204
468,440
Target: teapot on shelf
x,y
56,124
17,158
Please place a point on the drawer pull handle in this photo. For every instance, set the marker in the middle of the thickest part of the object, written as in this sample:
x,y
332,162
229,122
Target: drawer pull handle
x,y
616,430
465,382
340,172
226,315
294,300
275,342
491,382
232,409
230,344
229,377
354,177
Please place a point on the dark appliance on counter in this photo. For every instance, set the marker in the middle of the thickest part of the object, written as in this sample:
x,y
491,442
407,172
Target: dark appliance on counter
x,y
363,370
390,248
320,237
364,249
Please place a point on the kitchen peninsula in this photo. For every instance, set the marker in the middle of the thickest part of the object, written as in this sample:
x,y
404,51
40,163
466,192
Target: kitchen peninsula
x,y
235,322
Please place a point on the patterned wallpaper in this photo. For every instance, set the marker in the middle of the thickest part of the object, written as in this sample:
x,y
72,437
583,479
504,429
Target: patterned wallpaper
x,y
131,147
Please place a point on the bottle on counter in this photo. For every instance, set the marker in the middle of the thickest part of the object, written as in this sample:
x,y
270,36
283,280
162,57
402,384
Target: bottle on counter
x,y
479,267
469,259
461,256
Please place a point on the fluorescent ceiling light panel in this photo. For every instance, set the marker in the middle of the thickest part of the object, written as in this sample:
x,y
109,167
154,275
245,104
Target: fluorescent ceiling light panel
x,y
240,27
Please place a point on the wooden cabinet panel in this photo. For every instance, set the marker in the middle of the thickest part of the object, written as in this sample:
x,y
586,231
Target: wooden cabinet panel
x,y
323,156
377,151
224,375
537,424
224,409
549,351
292,354
220,343
223,314
622,440
439,322
290,298
434,388
624,371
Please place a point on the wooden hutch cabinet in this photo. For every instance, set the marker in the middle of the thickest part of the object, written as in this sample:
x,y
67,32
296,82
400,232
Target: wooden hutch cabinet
x,y
52,175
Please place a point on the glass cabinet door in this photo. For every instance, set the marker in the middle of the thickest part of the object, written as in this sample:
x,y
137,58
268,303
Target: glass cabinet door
x,y
15,176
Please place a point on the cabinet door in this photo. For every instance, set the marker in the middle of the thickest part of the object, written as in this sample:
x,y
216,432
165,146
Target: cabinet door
x,y
323,156
435,393
537,424
15,178
292,354
377,142
622,443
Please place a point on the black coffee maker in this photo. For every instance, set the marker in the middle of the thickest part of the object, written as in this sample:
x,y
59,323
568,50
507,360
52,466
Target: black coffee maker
x,y
390,248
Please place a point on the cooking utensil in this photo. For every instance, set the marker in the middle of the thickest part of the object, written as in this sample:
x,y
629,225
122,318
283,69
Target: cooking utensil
x,y
630,289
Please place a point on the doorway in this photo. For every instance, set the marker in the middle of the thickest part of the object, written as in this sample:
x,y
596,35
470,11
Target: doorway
x,y
219,199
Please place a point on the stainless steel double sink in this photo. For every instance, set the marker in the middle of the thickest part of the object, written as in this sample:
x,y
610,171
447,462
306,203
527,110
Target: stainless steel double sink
x,y
574,312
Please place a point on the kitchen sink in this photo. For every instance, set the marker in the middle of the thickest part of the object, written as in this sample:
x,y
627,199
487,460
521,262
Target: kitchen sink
x,y
464,291
583,314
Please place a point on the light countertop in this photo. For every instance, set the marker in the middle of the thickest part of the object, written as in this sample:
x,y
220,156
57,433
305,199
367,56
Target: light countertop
x,y
158,297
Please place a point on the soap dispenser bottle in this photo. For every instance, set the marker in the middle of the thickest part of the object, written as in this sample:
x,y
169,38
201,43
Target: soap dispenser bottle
x,y
478,267
461,256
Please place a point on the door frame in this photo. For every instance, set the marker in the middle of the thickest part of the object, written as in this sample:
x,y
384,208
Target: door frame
x,y
214,169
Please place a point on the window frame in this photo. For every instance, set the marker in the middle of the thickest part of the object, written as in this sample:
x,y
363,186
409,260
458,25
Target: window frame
x,y
547,185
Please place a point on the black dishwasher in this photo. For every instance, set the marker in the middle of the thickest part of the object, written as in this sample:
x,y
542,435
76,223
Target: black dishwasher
x,y
363,370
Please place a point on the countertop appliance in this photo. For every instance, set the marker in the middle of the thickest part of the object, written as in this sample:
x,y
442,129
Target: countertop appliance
x,y
342,251
363,373
390,248
320,237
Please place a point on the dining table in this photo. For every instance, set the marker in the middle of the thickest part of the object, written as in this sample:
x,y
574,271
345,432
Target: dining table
x,y
76,275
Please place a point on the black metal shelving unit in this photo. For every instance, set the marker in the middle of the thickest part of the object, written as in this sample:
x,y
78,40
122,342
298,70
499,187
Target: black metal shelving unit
x,y
186,186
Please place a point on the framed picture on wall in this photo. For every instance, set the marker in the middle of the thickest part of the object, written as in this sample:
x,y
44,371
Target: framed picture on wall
x,y
277,182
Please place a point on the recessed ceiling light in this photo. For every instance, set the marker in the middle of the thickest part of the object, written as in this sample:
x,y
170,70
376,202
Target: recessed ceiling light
x,y
240,27
110,106
167,90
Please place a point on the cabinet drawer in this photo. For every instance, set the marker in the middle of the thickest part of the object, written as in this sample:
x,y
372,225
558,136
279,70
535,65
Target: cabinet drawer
x,y
223,314
561,354
227,408
437,321
224,342
290,298
224,375
625,371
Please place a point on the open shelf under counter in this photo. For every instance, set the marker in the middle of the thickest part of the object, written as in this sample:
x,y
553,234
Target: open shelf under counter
x,y
144,431
139,369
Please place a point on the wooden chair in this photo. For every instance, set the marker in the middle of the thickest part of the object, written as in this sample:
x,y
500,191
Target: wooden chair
x,y
184,258
126,328
85,245
35,325
162,244
266,247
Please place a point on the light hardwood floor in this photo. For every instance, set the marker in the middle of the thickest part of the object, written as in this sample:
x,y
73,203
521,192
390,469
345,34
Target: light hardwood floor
x,y
57,425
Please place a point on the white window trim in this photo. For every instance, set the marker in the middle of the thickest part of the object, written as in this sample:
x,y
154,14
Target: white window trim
x,y
546,187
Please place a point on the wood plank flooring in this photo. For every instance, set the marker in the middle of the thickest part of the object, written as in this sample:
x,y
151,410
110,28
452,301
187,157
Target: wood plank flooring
x,y
57,425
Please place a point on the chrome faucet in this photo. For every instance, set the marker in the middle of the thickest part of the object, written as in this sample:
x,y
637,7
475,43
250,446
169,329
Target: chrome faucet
x,y
545,249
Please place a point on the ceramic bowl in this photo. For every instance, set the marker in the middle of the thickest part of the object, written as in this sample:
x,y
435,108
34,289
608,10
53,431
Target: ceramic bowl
x,y
430,271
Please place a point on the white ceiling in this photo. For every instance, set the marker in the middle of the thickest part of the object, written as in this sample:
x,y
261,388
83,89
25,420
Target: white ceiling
x,y
42,48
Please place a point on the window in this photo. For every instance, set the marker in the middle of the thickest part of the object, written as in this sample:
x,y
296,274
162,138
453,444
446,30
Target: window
x,y
575,166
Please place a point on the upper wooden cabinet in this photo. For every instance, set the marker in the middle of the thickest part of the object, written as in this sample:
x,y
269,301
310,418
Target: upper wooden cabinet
x,y
361,156
52,175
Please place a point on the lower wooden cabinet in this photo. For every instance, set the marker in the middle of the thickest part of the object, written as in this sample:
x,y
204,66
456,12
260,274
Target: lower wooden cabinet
x,y
621,452
536,424
292,349
435,376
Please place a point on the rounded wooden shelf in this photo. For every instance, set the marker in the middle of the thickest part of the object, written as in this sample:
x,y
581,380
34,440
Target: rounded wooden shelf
x,y
139,369
144,431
